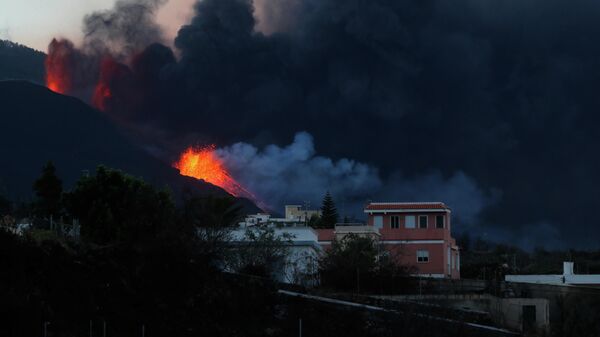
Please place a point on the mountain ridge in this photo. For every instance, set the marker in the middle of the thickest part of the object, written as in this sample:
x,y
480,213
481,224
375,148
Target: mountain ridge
x,y
39,125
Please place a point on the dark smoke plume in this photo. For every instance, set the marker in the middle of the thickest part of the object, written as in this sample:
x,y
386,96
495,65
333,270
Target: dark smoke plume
x,y
505,92
112,40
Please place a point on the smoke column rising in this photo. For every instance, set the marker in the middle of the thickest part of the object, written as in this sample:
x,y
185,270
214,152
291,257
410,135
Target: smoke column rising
x,y
295,173
479,93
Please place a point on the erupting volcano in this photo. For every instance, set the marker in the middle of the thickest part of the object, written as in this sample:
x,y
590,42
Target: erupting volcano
x,y
203,163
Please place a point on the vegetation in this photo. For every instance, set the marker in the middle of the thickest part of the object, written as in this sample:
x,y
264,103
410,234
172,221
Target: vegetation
x,y
329,214
5,206
48,190
481,259
262,252
114,207
210,220
359,264
20,62
145,263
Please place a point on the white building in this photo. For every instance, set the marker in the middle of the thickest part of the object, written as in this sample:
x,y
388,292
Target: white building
x,y
294,216
296,212
567,278
303,251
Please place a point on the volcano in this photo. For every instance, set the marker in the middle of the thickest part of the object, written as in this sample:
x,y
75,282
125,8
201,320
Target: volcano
x,y
39,125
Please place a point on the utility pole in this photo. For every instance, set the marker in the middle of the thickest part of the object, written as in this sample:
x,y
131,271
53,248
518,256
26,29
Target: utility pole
x,y
300,327
91,328
104,328
143,330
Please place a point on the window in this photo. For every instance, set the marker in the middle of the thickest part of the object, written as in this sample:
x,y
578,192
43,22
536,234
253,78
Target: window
x,y
422,256
409,221
378,221
395,222
449,259
439,221
422,221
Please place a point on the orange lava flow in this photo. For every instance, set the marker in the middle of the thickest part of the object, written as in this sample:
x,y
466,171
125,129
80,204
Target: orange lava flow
x,y
202,163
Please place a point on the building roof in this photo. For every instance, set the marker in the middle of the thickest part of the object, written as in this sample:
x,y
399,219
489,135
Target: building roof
x,y
379,206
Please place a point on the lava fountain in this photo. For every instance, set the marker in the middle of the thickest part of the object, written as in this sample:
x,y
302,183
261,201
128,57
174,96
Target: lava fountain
x,y
203,163
57,62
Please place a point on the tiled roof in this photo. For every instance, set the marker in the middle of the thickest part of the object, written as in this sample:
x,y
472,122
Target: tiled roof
x,y
374,206
325,234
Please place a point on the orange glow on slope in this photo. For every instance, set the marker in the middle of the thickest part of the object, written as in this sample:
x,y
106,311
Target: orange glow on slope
x,y
55,80
202,163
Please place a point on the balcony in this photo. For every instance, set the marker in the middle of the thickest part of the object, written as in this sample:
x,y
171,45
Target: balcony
x,y
362,230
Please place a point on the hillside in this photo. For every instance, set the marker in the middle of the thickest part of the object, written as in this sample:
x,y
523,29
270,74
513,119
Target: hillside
x,y
21,62
39,125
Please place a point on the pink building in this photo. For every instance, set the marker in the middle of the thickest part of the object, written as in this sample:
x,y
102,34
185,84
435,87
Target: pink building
x,y
418,234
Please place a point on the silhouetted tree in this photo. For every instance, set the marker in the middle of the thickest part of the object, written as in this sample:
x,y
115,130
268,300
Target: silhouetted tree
x,y
113,206
5,206
329,214
261,252
313,221
357,262
48,191
211,220
20,62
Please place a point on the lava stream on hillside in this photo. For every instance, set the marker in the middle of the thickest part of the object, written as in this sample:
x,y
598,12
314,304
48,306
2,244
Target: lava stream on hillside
x,y
203,163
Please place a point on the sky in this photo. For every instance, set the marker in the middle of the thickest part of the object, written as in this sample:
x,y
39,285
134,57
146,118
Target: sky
x,y
35,22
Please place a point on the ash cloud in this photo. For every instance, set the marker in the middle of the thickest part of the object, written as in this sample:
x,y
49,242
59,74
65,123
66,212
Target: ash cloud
x,y
114,37
295,173
504,92
123,31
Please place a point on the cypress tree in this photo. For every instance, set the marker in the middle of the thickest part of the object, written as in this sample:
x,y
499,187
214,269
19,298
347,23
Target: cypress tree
x,y
329,214
48,190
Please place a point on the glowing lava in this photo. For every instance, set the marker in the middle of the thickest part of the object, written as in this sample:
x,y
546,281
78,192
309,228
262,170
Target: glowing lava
x,y
58,76
203,163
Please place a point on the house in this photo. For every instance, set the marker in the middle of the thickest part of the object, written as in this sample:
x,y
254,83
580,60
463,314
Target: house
x,y
418,234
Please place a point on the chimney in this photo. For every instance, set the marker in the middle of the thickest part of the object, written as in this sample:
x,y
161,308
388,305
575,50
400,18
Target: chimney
x,y
567,268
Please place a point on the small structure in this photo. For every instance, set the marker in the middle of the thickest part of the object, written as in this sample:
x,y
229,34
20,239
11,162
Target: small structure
x,y
567,278
517,314
294,216
297,213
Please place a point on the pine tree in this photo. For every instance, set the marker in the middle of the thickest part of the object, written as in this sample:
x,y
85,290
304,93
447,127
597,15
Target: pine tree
x,y
48,190
329,214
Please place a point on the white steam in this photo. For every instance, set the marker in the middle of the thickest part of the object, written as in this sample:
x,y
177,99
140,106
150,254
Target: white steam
x,y
295,173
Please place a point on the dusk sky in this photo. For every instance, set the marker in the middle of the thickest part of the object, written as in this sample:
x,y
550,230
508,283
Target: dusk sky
x,y
35,22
